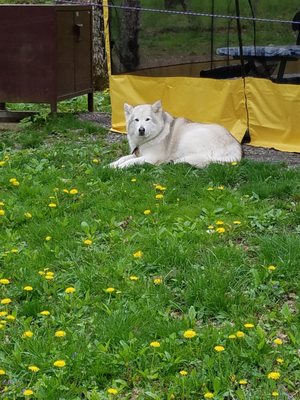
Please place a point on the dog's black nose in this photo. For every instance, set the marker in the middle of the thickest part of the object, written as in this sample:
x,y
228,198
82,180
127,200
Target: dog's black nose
x,y
142,131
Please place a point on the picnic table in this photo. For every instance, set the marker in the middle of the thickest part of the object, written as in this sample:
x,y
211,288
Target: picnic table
x,y
263,60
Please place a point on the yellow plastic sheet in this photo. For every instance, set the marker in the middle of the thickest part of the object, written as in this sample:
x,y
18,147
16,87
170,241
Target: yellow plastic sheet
x,y
198,99
274,114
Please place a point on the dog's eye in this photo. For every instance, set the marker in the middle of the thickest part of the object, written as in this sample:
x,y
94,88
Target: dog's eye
x,y
136,120
147,119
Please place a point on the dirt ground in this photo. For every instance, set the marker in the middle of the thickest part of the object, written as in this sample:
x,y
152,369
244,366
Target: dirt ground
x,y
250,152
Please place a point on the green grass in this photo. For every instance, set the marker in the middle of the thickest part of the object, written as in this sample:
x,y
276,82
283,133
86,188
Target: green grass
x,y
210,282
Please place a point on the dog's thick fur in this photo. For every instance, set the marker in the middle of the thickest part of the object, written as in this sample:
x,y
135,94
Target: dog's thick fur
x,y
156,137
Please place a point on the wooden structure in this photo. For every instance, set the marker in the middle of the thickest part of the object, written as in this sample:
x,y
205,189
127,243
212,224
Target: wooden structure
x,y
46,54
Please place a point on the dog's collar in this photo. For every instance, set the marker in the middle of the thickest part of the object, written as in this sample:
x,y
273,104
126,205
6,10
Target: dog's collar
x,y
136,151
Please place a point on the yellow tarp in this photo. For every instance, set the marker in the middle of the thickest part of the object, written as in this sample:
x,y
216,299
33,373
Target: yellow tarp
x,y
202,100
273,110
274,114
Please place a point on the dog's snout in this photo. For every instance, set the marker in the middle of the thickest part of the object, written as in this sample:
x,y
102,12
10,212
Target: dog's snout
x,y
142,131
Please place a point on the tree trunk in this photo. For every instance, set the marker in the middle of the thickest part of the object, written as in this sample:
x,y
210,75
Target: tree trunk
x,y
100,60
128,50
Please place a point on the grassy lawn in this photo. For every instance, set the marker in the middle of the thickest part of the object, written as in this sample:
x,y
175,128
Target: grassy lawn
x,y
152,283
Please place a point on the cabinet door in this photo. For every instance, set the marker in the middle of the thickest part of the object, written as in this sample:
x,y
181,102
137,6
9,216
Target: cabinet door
x,y
83,50
27,53
65,53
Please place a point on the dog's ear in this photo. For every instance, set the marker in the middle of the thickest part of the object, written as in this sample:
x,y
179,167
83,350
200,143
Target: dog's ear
x,y
157,107
127,109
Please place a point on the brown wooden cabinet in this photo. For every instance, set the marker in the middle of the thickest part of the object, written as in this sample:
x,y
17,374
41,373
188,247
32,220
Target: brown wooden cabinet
x,y
45,53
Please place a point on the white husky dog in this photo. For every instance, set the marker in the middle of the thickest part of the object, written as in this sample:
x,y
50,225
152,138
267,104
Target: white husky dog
x,y
155,137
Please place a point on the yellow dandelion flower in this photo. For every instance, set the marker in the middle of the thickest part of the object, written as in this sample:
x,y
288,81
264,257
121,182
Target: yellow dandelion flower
x,y
14,251
183,372
248,325
277,341
28,215
218,348
2,163
219,222
66,191
157,281
147,212
27,334
208,395
5,301
2,213
159,187
232,337
210,227
49,275
48,238
233,163
112,391
73,191
159,196
210,189
15,183
155,344
220,230
240,334
274,375
3,313
138,254
110,290
95,161
2,326
133,179
280,360
10,317
189,334
28,288
60,334
42,273
271,267
59,363
221,187
52,205
28,392
243,382
70,290
4,281
275,394
45,313
237,222
2,372
33,368
133,278
87,242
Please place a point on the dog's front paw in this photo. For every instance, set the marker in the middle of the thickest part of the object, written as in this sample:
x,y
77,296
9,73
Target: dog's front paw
x,y
119,163
113,164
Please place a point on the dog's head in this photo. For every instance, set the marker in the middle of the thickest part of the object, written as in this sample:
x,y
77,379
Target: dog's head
x,y
144,121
